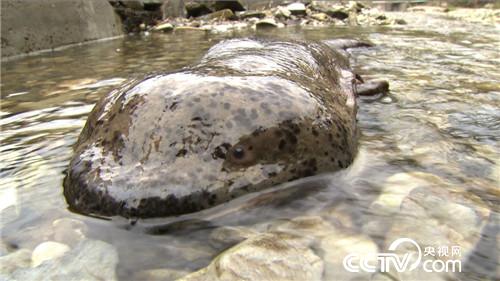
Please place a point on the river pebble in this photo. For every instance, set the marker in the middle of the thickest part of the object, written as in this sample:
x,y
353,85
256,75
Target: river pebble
x,y
267,256
69,231
15,260
89,260
47,251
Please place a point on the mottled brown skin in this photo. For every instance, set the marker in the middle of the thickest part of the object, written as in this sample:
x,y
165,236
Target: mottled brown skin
x,y
250,115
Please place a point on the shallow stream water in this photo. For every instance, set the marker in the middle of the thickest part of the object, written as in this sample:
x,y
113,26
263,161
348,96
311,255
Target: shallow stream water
x,y
437,133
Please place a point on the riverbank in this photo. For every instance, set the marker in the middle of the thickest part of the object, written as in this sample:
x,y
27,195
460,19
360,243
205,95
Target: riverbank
x,y
54,24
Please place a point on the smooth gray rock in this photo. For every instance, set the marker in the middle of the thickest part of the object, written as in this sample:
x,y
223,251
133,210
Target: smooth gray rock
x,y
29,26
173,9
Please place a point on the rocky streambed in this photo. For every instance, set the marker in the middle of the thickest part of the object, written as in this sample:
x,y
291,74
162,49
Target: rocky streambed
x,y
312,14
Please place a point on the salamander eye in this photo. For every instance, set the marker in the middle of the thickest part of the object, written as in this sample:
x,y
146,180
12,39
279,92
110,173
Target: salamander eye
x,y
238,152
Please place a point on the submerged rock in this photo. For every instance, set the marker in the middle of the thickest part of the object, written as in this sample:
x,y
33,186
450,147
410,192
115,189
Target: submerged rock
x,y
268,256
69,231
13,261
436,218
47,251
337,246
224,237
89,260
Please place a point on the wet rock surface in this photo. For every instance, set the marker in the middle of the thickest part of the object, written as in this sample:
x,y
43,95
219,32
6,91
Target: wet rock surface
x,y
54,24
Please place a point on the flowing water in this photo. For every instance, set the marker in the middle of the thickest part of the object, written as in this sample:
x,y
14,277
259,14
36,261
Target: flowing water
x,y
428,167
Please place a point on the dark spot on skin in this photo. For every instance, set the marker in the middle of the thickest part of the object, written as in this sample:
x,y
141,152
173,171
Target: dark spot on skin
x,y
292,138
282,144
339,163
272,174
241,111
253,114
242,120
197,118
227,106
286,114
116,136
196,99
173,106
326,153
250,148
181,153
315,133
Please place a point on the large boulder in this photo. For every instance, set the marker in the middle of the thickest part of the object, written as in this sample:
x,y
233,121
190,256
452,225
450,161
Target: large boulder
x,y
29,26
